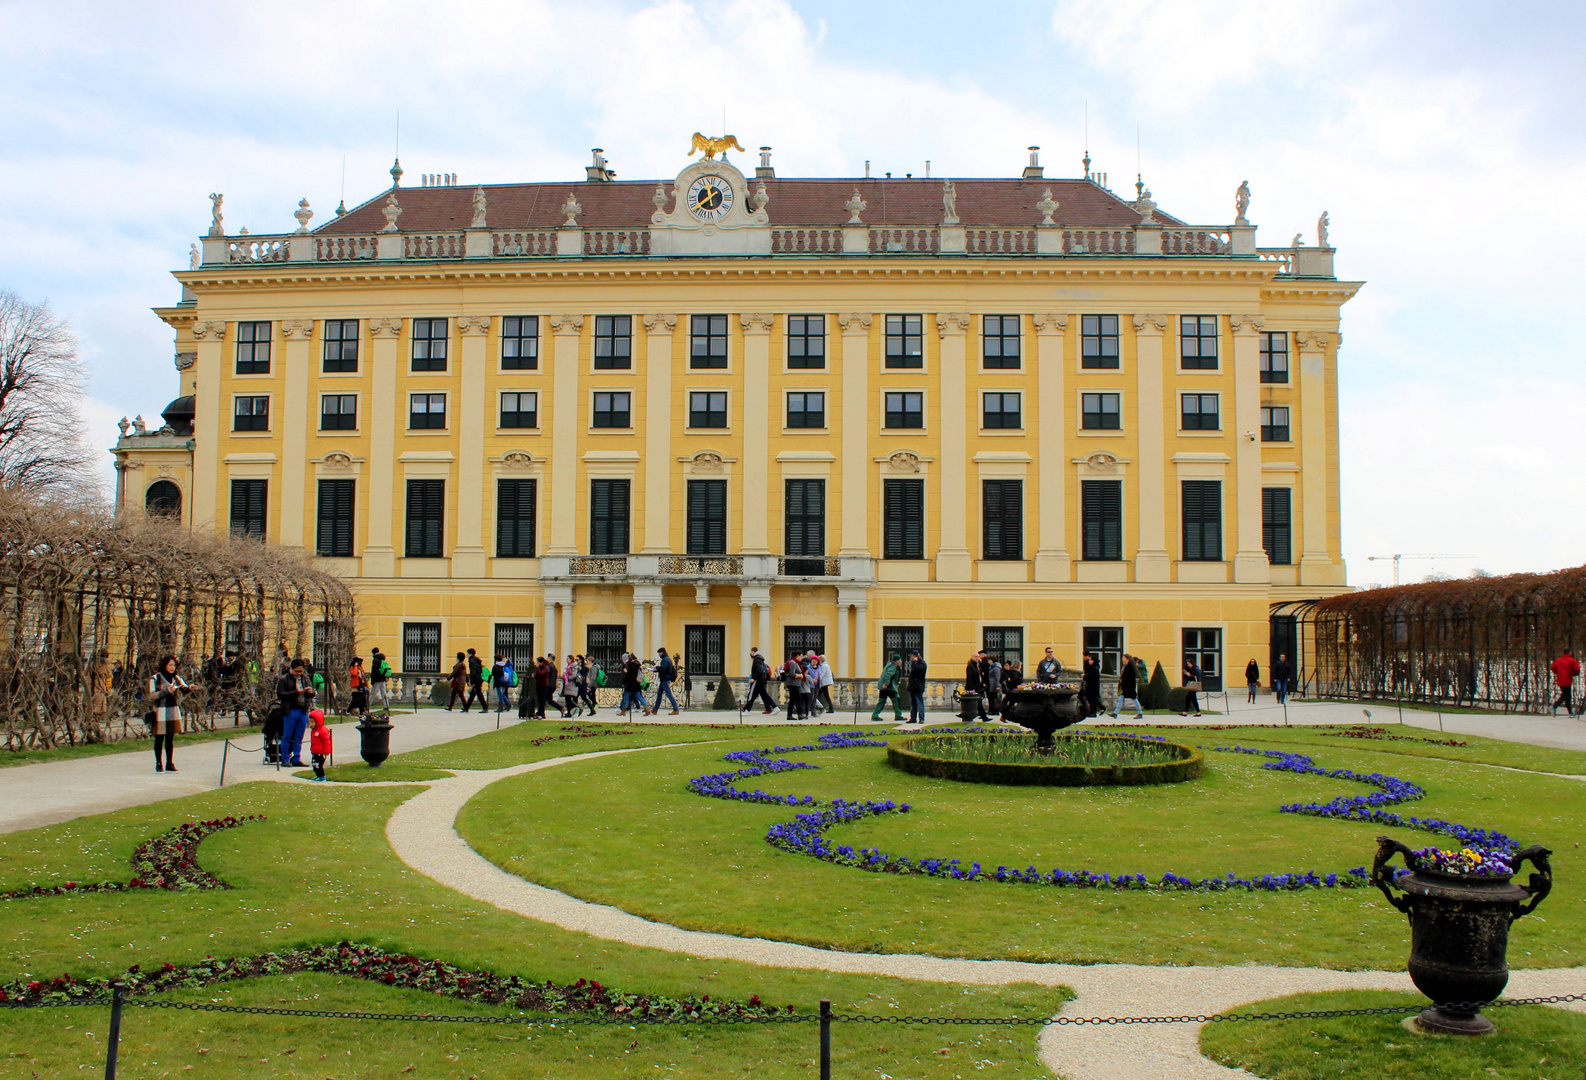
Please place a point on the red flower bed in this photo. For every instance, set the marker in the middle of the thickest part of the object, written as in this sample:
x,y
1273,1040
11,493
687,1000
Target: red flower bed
x,y
168,861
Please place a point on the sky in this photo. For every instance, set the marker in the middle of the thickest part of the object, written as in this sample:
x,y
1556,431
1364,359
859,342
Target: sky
x,y
1444,140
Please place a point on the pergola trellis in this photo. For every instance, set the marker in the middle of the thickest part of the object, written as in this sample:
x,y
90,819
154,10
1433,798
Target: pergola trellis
x,y
1485,642
76,582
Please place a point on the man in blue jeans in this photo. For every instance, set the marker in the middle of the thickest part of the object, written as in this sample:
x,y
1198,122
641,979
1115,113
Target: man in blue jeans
x,y
1281,674
665,675
295,691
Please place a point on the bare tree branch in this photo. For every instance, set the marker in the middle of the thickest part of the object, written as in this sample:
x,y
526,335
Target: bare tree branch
x,y
43,453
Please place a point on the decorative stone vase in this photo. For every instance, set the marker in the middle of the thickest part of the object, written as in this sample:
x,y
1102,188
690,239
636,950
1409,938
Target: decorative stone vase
x,y
374,736
1459,931
1044,708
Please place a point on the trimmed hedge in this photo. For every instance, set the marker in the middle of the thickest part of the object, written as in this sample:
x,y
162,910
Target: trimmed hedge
x,y
910,757
1156,691
725,700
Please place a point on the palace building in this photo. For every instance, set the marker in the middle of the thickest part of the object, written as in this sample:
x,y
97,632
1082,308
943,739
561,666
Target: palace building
x,y
728,410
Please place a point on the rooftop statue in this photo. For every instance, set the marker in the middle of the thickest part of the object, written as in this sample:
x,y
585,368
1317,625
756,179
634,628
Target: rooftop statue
x,y
571,210
1321,230
949,203
855,206
1241,202
712,147
216,228
479,208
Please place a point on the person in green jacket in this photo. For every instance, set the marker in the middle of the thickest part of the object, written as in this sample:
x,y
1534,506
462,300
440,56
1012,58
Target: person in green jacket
x,y
887,687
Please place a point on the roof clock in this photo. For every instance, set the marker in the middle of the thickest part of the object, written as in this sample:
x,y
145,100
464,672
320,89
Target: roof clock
x,y
709,197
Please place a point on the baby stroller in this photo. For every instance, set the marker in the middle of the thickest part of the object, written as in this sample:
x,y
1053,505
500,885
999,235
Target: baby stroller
x,y
274,725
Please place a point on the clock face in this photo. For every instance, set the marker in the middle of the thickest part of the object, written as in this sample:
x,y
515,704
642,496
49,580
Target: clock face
x,y
709,197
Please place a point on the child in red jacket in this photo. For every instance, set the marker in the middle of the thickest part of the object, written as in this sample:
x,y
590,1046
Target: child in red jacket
x,y
318,742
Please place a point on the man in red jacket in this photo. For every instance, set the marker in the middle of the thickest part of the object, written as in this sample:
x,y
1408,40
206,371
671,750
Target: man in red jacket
x,y
1565,668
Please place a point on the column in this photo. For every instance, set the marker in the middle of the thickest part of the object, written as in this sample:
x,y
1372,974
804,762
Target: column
x,y
953,561
739,665
658,627
1151,560
1051,554
294,414
468,558
1250,556
1316,562
644,621
861,641
766,646
379,556
565,407
206,423
548,627
841,669
567,639
855,540
658,434
756,433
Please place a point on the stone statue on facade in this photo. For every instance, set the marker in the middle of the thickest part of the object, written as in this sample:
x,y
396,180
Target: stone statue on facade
x,y
1321,230
855,206
1047,206
1146,206
570,211
217,219
138,426
1296,241
479,208
304,215
392,210
1242,203
949,203
123,425
194,259
760,197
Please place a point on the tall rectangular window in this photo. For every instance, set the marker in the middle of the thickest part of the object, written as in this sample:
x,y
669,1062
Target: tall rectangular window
x,y
604,645
1274,358
804,518
426,412
1105,643
903,519
707,409
806,409
1099,412
611,410
801,640
1277,525
1098,341
1203,520
1199,412
426,519
253,348
1002,503
515,518
341,345
248,501
1197,342
806,341
338,412
1274,423
1101,513
429,344
707,345
1000,341
421,648
905,341
613,342
334,534
251,413
515,642
705,650
1001,411
900,641
904,409
520,342
1006,643
520,409
608,517
707,517
1205,647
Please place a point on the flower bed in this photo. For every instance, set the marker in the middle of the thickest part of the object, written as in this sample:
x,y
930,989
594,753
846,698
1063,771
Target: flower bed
x,y
392,969
1464,862
168,861
1079,761
1361,731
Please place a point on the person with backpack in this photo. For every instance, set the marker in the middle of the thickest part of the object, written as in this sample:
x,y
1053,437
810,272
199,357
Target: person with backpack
x,y
1128,688
824,681
567,684
632,692
1564,669
1049,669
476,682
357,688
498,683
665,674
379,676
586,684
916,675
887,687
759,676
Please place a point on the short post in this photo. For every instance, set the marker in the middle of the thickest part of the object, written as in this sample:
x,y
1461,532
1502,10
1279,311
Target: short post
x,y
826,1039
224,751
118,991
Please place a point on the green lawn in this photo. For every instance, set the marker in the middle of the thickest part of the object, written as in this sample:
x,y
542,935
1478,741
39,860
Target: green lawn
x,y
1533,1042
562,738
320,870
625,831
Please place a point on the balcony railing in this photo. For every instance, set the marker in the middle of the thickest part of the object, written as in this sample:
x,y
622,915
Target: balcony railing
x,y
905,241
786,567
806,241
702,565
433,245
601,565
1098,241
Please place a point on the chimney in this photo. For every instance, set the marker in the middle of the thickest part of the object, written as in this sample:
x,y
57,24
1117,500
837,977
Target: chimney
x,y
1033,170
764,171
927,168
867,168
596,171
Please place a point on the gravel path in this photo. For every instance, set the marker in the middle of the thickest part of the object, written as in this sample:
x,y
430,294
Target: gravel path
x,y
423,833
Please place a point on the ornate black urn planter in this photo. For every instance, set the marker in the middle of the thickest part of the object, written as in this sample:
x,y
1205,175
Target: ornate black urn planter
x,y
1044,708
374,736
1459,931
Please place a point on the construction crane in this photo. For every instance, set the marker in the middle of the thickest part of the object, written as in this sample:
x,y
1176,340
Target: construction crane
x,y
1397,557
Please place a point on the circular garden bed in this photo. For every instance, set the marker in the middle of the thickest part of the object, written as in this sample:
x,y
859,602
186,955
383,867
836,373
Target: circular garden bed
x,y
1080,760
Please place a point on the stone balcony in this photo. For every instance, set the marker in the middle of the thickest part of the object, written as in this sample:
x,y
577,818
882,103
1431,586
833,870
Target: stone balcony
x,y
739,570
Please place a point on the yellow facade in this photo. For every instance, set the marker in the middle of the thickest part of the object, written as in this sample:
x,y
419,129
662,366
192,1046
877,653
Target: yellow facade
x,y
1051,592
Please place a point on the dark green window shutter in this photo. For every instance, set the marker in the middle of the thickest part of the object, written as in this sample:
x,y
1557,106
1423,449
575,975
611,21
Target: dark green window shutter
x,y
1102,511
707,517
1277,527
515,518
903,514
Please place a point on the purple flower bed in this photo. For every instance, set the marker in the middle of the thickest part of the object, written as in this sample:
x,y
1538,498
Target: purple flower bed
x,y
804,835
168,861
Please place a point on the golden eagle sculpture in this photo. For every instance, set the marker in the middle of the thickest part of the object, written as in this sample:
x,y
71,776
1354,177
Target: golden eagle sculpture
x,y
712,147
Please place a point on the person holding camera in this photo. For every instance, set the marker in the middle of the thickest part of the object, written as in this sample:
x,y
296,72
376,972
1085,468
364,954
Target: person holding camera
x,y
165,715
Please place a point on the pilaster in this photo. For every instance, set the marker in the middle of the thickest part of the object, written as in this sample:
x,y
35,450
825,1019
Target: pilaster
x,y
567,331
756,434
658,433
1151,561
294,416
953,560
211,337
1316,563
1051,555
1250,556
379,555
468,558
856,433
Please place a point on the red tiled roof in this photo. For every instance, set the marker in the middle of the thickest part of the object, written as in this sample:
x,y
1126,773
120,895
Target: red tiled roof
x,y
626,204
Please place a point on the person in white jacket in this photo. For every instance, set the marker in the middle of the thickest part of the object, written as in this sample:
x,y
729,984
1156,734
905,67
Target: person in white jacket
x,y
823,684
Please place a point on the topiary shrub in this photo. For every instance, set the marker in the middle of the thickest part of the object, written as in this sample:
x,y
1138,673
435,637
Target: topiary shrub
x,y
440,693
914,756
1155,693
725,700
1175,699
